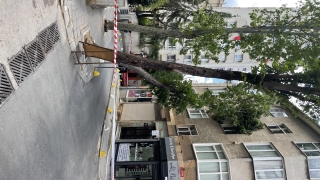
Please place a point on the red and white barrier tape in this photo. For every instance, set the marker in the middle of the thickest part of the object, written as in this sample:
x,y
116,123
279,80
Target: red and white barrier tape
x,y
115,47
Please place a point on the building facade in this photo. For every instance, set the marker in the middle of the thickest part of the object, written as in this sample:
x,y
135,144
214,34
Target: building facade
x,y
287,148
235,61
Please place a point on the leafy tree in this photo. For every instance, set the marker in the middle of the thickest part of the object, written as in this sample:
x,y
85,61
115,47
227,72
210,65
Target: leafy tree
x,y
181,97
287,37
241,107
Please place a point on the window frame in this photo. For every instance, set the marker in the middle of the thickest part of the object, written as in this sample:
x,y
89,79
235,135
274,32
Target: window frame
x,y
187,61
238,59
310,158
227,126
189,130
203,115
257,160
222,57
282,111
173,59
220,160
278,128
231,24
204,58
218,90
171,45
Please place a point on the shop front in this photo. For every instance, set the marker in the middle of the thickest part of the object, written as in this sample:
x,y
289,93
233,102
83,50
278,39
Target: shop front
x,y
146,159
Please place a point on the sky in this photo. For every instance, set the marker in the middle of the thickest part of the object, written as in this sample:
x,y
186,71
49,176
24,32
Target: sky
x,y
259,3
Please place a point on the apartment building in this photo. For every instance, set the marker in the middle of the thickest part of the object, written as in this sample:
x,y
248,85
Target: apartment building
x,y
235,61
287,148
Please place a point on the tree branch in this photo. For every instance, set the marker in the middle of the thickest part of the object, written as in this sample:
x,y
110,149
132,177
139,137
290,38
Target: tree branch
x,y
148,77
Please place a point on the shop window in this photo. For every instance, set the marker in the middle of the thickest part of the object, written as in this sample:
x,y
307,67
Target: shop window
x,y
278,128
186,130
312,151
267,162
212,162
193,113
278,113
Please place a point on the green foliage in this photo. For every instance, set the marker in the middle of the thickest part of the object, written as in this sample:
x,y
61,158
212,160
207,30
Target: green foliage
x,y
181,98
242,107
146,21
142,2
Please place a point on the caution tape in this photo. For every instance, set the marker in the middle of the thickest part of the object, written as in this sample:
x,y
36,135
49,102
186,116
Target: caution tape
x,y
115,48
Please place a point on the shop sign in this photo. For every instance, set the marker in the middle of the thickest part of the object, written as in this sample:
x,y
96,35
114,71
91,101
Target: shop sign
x,y
155,133
123,152
173,168
182,172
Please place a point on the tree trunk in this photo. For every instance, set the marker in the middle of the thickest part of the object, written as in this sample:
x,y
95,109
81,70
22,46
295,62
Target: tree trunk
x,y
125,58
145,63
197,33
291,88
147,30
148,77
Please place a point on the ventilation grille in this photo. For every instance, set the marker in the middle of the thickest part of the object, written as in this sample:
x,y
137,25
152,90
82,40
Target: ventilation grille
x,y
45,40
28,59
5,85
20,66
34,53
123,11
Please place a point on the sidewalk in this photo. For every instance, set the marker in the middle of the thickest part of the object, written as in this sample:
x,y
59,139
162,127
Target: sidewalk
x,y
81,22
104,163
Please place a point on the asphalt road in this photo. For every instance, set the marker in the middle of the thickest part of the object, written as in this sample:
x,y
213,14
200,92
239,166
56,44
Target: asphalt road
x,y
50,126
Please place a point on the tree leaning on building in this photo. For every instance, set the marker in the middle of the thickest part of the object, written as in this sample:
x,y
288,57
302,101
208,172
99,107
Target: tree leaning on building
x,y
287,37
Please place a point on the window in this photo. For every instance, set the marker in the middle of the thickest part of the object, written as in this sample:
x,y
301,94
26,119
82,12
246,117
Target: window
x,y
230,24
312,151
204,59
229,69
244,69
228,129
187,59
217,91
278,113
267,162
222,57
171,58
278,128
193,113
187,42
171,45
186,130
212,161
237,48
238,57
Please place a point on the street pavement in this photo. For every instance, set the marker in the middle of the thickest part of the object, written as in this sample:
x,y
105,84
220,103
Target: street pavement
x,y
55,123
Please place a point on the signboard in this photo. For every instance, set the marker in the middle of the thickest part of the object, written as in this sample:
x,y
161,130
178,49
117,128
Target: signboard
x,y
173,168
182,172
123,152
155,133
